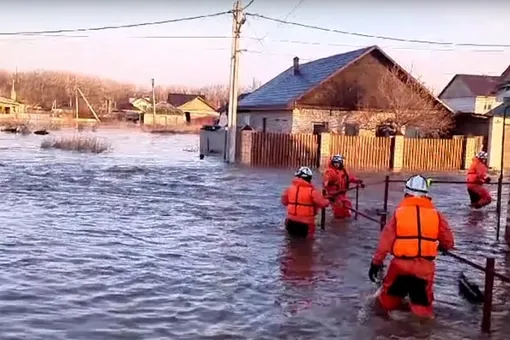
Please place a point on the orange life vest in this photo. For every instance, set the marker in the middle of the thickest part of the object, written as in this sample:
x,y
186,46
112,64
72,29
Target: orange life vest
x,y
417,229
339,181
301,201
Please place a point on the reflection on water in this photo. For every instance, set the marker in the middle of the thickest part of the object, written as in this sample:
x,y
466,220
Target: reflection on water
x,y
149,242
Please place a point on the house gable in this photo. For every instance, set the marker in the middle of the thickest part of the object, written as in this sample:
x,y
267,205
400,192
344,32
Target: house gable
x,y
456,88
355,85
198,104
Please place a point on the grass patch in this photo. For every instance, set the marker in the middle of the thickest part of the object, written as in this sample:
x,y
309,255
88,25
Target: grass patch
x,y
77,143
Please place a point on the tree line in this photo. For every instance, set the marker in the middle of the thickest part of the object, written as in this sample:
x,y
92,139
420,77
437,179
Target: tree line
x,y
43,88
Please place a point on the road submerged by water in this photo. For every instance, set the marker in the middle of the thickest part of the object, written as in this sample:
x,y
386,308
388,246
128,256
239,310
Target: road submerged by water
x,y
148,242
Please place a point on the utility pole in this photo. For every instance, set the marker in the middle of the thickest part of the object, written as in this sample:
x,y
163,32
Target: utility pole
x,y
153,105
238,20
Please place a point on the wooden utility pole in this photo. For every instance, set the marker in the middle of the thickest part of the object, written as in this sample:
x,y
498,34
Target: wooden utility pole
x,y
88,104
153,105
238,21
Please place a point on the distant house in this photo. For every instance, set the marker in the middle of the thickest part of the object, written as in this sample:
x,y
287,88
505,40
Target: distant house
x,y
192,105
166,114
8,106
142,104
475,98
127,111
322,95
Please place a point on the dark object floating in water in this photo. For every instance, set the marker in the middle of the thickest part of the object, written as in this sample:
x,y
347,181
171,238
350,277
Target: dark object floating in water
x,y
41,132
17,129
470,290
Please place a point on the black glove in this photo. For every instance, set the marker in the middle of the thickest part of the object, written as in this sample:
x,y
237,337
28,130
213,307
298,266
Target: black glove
x,y
373,273
361,184
442,250
488,180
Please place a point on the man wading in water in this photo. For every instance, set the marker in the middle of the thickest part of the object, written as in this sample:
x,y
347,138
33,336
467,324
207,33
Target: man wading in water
x,y
413,236
303,202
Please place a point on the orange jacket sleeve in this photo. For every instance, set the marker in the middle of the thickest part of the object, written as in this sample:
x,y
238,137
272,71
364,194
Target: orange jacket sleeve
x,y
352,178
319,200
328,176
386,240
445,237
285,197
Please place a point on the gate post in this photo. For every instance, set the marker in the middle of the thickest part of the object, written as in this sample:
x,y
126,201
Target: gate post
x,y
324,148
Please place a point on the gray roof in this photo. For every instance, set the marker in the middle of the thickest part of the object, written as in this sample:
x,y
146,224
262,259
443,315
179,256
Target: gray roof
x,y
287,87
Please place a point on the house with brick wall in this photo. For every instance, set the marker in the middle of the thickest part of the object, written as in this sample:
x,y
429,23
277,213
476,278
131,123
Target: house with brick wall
x,y
319,96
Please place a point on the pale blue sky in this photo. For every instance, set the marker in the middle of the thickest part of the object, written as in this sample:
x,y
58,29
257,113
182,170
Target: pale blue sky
x,y
119,55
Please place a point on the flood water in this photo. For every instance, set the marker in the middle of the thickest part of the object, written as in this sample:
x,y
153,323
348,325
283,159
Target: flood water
x,y
149,242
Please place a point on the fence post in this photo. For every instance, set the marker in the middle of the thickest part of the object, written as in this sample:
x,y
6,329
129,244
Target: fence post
x,y
507,226
356,203
397,153
487,301
498,205
246,147
385,204
323,213
325,149
468,151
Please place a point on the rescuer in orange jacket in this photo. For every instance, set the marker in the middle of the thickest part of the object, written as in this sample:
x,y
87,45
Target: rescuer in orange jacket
x,y
336,183
303,202
476,177
413,235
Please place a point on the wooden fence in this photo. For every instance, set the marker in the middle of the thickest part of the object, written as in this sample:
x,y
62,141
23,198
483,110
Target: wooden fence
x,y
284,150
362,152
433,154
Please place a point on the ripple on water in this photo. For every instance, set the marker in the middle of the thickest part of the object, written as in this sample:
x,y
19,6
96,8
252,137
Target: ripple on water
x,y
149,242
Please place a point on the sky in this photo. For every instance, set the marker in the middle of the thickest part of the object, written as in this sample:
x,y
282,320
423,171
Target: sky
x,y
136,55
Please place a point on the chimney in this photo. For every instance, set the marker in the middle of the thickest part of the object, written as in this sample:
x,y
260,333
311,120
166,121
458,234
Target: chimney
x,y
296,66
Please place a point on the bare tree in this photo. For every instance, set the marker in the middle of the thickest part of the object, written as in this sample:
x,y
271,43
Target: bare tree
x,y
397,99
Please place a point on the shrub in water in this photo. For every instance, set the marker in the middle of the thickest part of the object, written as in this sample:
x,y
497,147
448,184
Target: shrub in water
x,y
77,143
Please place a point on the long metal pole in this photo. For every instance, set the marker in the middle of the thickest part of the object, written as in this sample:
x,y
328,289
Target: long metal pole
x,y
153,105
232,106
500,180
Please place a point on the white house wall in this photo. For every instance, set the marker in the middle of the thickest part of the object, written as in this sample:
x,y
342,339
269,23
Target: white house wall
x,y
485,104
276,121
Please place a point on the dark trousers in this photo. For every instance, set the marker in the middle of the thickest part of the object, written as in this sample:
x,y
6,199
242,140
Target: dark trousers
x,y
296,229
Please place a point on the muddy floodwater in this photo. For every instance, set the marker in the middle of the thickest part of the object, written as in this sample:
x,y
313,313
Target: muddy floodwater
x,y
149,242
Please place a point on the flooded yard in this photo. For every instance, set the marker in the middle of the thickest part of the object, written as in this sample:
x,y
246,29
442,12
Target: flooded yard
x,y
149,242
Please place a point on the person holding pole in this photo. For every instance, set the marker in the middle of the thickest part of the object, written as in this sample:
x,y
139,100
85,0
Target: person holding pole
x,y
303,202
337,182
413,235
476,177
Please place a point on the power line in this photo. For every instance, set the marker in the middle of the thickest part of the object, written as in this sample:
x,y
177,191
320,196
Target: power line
x,y
416,41
288,41
249,4
104,28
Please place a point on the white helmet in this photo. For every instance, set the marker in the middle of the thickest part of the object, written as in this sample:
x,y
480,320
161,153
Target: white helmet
x,y
337,159
482,155
304,173
417,186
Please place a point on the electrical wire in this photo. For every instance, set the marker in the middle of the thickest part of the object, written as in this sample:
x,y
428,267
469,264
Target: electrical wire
x,y
382,37
104,28
248,5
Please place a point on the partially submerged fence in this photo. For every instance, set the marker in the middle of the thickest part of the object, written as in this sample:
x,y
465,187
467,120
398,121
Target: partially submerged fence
x,y
490,262
380,153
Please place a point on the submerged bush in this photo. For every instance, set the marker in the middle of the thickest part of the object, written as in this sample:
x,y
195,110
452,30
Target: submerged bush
x,y
77,143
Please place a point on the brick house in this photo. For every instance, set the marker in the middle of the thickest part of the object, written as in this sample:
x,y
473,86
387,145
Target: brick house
x,y
322,95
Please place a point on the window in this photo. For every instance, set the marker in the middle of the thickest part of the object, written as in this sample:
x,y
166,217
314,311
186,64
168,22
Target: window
x,y
489,106
319,128
351,130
